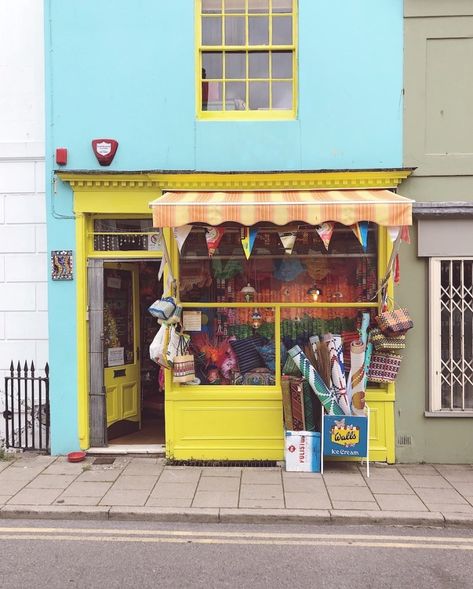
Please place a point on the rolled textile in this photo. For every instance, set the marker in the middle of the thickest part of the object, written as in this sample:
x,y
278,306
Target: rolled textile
x,y
286,402
326,396
365,323
357,352
339,383
368,354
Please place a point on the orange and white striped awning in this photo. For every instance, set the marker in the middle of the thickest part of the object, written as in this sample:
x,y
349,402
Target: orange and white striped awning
x,y
383,207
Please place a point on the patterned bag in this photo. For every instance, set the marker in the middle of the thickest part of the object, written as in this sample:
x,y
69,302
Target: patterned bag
x,y
163,309
384,366
396,322
183,364
383,342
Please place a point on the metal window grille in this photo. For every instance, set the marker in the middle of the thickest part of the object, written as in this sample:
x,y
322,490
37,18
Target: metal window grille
x,y
452,334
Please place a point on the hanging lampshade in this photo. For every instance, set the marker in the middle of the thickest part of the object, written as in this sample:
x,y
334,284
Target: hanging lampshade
x,y
256,319
249,293
314,292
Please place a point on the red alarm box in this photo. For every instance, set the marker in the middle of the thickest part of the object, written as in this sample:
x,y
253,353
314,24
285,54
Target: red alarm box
x,y
61,156
105,150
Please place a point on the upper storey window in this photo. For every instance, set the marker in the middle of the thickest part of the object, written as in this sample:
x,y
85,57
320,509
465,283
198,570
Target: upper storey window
x,y
247,59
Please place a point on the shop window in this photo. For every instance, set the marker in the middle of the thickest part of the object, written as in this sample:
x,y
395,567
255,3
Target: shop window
x,y
125,235
247,58
451,325
118,338
237,344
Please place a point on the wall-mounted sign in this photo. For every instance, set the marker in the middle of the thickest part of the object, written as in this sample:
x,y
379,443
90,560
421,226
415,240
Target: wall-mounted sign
x,y
61,265
345,436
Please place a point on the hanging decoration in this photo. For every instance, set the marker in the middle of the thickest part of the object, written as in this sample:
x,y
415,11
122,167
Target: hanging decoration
x,y
325,232
181,234
360,229
248,237
213,237
288,240
393,232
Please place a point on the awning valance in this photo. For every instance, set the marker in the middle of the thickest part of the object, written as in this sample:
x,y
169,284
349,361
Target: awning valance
x,y
383,207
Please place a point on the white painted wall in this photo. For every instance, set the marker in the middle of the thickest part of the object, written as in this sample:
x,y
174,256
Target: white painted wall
x,y
23,260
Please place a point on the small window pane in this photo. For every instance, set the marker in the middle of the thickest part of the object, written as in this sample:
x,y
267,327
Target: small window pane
x,y
259,95
234,6
211,6
235,96
258,6
212,95
282,6
235,65
281,64
212,66
282,95
211,30
282,30
258,64
234,30
258,30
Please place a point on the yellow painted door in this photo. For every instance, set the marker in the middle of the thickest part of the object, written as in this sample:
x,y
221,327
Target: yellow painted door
x,y
121,324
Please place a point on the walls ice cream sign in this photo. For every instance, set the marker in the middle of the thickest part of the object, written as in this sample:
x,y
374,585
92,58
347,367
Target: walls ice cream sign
x,y
346,436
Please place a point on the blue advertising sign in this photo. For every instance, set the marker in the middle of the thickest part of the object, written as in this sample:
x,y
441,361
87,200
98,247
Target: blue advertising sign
x,y
345,435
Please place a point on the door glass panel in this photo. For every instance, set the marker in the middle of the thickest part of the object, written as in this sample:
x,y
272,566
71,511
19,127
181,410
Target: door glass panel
x,y
118,318
258,30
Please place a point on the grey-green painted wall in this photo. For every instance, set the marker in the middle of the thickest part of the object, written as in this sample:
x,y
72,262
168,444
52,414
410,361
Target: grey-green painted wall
x,y
438,119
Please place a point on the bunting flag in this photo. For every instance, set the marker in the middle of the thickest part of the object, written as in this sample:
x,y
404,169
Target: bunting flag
x,y
181,234
248,236
288,240
213,237
325,231
393,232
405,235
360,229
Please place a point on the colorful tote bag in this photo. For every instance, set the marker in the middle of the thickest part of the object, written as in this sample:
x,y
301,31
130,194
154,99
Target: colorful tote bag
x,y
384,367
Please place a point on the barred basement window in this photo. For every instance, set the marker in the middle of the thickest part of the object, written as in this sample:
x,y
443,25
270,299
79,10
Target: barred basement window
x,y
451,324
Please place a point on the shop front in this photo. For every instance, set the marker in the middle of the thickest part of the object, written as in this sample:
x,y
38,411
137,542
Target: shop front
x,y
259,263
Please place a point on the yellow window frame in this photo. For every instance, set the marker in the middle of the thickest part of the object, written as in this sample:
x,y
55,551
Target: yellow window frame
x,y
236,115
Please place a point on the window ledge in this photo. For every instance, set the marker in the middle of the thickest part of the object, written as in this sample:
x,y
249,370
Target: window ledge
x,y
448,413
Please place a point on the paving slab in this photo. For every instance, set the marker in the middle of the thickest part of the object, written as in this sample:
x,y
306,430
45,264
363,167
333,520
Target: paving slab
x,y
262,503
400,503
419,469
304,485
35,497
440,496
25,473
61,500
343,479
177,475
266,516
4,499
302,475
215,499
221,471
465,489
350,494
427,482
54,512
11,487
219,484
261,492
134,483
98,476
143,469
66,467
87,489
5,464
177,490
51,481
157,501
165,514
450,508
389,487
457,476
307,500
39,460
125,497
356,505
389,473
263,476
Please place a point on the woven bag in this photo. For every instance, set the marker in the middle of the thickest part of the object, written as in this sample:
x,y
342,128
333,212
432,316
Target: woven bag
x,y
382,342
384,366
183,363
396,322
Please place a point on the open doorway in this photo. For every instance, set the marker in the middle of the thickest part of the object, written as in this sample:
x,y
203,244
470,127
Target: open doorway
x,y
133,384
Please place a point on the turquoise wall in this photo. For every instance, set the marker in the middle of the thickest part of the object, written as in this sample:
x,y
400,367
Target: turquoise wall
x,y
125,70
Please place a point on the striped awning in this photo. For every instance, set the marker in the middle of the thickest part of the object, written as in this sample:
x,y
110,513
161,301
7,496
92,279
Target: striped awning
x,y
383,207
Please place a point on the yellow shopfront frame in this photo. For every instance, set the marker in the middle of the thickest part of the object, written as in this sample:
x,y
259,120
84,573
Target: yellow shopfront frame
x,y
223,422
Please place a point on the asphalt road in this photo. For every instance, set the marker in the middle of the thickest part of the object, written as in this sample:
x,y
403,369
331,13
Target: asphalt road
x,y
139,555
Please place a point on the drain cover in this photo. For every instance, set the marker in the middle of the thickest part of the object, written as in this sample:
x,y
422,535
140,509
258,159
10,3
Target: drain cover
x,y
104,460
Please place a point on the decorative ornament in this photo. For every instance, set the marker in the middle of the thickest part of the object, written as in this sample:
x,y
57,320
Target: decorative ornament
x,y
314,292
249,293
325,232
288,240
248,237
213,237
181,234
361,231
256,319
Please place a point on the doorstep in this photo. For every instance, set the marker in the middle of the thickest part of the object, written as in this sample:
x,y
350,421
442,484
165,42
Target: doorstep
x,y
152,450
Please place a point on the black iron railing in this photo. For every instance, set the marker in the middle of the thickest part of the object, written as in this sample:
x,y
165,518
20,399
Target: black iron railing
x,y
27,408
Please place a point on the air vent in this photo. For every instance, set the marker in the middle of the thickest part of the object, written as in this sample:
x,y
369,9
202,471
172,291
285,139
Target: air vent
x,y
104,460
404,440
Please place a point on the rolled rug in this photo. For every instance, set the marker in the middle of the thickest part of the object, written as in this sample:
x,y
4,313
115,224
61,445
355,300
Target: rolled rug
x,y
365,323
339,383
368,353
357,352
325,395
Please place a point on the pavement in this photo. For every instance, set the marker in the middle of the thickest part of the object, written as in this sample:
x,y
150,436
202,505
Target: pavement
x,y
131,488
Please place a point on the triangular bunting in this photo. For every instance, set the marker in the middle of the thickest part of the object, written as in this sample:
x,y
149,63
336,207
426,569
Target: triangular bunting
x,y
360,229
393,232
181,234
325,232
248,236
405,235
213,237
288,240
